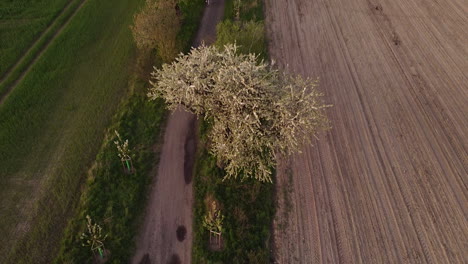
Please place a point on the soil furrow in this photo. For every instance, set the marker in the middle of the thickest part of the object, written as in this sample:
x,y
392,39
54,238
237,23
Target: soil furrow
x,y
388,182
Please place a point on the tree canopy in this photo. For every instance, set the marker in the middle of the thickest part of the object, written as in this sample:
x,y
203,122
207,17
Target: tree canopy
x,y
156,27
256,111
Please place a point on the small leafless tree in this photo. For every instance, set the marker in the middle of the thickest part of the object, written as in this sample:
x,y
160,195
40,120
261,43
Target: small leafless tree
x,y
213,222
93,237
124,153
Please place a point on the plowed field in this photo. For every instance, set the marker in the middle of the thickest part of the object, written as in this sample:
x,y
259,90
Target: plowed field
x,y
388,183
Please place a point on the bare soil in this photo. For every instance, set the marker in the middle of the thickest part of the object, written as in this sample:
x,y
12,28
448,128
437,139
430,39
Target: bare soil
x,y
162,239
389,182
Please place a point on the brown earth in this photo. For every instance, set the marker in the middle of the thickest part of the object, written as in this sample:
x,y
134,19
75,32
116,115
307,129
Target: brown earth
x,y
166,234
388,183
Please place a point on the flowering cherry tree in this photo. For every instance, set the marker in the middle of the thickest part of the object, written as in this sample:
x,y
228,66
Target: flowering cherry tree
x,y
256,111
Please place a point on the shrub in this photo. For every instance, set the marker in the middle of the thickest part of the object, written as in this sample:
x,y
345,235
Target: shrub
x,y
157,27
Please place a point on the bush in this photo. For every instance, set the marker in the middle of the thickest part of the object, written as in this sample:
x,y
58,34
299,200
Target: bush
x,y
157,27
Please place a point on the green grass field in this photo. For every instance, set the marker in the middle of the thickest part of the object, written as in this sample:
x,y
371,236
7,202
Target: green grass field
x,y
53,123
29,50
21,22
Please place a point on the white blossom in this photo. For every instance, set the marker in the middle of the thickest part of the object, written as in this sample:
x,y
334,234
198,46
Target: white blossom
x,y
256,111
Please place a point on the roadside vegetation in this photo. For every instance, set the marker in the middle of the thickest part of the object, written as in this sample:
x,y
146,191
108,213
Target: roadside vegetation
x,y
272,112
243,25
257,112
115,197
248,35
248,205
248,208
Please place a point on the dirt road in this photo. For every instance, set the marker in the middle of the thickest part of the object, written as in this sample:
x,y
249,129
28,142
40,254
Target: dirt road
x,y
166,234
389,182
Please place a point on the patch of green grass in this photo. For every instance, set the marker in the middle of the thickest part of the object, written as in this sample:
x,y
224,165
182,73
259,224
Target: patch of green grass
x,y
53,123
21,21
192,10
249,10
45,37
248,208
248,32
248,36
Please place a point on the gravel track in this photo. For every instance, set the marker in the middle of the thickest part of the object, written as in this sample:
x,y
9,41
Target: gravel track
x,y
388,184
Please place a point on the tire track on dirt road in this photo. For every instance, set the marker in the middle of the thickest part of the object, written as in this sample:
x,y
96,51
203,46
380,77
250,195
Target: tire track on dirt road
x,y
169,208
11,86
388,183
